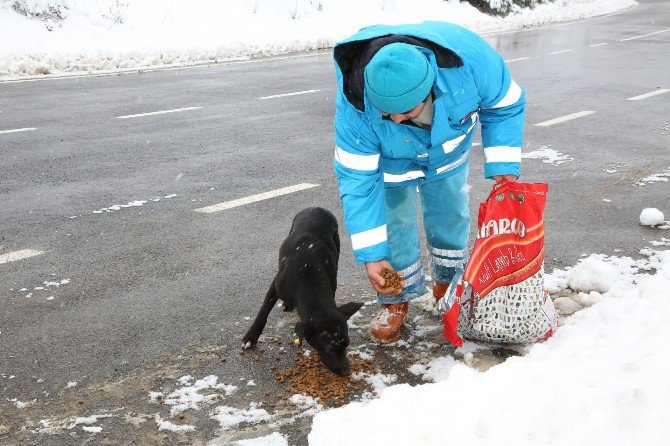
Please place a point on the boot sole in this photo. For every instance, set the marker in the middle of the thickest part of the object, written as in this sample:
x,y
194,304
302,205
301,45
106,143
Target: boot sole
x,y
386,341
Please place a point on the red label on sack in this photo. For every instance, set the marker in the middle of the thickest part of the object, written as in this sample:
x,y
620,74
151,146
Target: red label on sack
x,y
510,240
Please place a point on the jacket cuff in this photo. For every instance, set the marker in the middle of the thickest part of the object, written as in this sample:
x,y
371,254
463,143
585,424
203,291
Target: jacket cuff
x,y
493,169
373,253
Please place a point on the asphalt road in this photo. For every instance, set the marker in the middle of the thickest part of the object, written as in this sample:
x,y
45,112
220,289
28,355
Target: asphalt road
x,y
144,285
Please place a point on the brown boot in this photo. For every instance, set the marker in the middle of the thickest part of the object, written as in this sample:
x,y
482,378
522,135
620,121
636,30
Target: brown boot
x,y
439,290
385,326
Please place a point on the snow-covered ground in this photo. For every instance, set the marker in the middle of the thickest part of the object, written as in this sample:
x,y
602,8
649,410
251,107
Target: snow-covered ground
x,y
601,379
79,36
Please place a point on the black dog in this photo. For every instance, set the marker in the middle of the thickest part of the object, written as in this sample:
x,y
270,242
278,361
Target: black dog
x,y
306,280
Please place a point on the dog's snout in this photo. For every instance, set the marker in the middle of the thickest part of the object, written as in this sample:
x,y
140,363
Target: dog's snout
x,y
336,363
344,370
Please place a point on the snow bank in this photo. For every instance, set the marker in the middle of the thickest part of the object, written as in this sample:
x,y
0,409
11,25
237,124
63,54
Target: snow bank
x,y
75,36
601,379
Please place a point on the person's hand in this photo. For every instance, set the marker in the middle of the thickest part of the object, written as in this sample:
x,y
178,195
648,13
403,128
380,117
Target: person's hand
x,y
374,270
501,178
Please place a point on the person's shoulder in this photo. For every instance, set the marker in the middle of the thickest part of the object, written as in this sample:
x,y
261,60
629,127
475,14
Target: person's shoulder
x,y
346,113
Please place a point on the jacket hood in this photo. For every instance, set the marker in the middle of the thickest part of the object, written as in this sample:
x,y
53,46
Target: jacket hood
x,y
353,54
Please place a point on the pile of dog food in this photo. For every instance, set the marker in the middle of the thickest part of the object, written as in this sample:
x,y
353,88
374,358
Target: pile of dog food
x,y
310,377
392,279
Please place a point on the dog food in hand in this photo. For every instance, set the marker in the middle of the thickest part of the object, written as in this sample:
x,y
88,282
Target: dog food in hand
x,y
392,279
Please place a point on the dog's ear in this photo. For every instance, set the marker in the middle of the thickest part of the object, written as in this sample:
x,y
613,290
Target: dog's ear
x,y
349,309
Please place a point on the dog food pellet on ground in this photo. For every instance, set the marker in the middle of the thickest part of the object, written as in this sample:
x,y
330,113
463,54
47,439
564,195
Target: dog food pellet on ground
x,y
392,279
312,378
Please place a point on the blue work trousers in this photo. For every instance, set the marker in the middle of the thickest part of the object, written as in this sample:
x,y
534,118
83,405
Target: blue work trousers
x,y
446,222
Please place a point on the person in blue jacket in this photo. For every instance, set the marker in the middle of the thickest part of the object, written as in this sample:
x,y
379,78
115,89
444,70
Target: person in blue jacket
x,y
409,100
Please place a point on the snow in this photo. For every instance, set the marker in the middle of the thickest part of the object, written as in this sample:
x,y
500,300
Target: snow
x,y
378,381
118,207
657,177
22,404
79,36
89,420
274,439
663,242
188,396
438,369
547,155
165,425
651,217
592,274
44,287
229,416
599,380
304,401
92,429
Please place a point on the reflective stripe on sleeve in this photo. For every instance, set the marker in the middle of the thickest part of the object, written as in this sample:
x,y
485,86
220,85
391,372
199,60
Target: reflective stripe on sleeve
x,y
502,154
356,162
512,96
368,238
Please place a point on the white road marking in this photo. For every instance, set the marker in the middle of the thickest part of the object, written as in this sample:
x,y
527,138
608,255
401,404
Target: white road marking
x,y
648,95
174,110
561,51
289,94
18,255
645,35
255,198
598,44
26,129
515,60
565,118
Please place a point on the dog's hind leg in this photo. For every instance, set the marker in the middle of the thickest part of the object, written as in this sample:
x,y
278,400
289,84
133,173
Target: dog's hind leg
x,y
251,338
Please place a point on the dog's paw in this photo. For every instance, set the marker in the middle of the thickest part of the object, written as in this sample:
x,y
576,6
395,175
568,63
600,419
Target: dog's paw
x,y
248,343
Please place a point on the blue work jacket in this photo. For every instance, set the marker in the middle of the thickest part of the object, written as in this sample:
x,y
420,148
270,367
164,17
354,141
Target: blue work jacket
x,y
472,85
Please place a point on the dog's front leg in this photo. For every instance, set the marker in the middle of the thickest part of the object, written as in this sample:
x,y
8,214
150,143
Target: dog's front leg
x,y
251,338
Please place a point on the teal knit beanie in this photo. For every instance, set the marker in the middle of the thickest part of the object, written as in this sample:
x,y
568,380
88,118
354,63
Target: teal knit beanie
x,y
398,78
